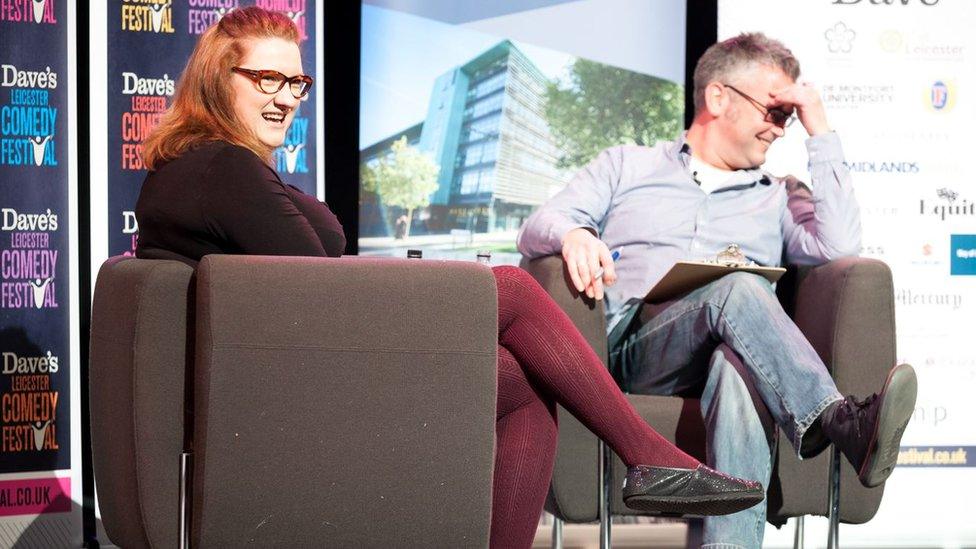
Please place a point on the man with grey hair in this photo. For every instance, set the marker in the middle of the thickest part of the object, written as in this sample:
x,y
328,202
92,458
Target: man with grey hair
x,y
729,339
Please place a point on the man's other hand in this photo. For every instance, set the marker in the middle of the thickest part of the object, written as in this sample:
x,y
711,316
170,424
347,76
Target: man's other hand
x,y
809,107
584,255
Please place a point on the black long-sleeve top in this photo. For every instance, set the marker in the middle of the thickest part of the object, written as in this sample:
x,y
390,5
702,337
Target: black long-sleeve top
x,y
222,199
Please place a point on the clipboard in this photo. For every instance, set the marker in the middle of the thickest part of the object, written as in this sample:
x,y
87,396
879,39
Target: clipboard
x,y
685,276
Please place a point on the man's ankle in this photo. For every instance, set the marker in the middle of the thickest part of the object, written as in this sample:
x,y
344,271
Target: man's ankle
x,y
815,440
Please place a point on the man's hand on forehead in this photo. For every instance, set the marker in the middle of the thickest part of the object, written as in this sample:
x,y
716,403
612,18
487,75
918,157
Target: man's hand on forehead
x,y
805,100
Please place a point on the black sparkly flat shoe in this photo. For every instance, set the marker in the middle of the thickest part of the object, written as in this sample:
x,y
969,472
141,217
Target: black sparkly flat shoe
x,y
702,491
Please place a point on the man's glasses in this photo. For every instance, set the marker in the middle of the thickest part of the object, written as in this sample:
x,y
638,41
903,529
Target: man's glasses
x,y
774,115
271,82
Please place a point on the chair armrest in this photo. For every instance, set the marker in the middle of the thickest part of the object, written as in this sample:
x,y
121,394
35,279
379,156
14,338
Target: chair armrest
x,y
587,314
846,310
138,358
575,478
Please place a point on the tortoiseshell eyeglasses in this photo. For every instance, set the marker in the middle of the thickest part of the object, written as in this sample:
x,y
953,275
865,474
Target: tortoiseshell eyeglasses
x,y
271,82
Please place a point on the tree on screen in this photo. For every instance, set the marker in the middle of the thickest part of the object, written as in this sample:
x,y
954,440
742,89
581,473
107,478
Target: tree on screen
x,y
601,106
403,178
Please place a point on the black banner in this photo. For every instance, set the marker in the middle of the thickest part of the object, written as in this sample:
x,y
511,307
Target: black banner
x,y
34,277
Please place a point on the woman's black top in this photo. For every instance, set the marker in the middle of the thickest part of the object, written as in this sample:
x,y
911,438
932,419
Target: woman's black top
x,y
222,199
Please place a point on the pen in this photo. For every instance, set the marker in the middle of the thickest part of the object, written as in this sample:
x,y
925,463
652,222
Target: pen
x,y
615,255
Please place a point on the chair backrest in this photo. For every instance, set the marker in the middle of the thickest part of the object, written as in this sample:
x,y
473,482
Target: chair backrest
x,y
343,402
138,361
335,402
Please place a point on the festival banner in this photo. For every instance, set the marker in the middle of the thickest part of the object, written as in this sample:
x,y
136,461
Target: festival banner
x,y
35,277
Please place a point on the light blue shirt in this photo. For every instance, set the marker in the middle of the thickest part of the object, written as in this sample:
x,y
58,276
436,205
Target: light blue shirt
x,y
645,200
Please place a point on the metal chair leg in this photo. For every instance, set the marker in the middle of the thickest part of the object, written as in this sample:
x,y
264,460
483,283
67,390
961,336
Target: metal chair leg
x,y
833,532
798,533
606,491
557,533
695,537
186,473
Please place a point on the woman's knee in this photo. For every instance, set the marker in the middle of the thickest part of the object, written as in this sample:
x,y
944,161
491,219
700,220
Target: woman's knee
x,y
511,276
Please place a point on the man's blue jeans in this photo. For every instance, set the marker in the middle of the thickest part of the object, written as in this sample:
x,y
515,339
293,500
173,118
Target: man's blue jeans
x,y
731,341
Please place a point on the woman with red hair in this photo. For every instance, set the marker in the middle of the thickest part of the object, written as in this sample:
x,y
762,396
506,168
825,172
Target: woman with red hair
x,y
211,189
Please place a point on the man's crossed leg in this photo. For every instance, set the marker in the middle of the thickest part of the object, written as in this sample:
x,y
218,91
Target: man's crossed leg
x,y
732,341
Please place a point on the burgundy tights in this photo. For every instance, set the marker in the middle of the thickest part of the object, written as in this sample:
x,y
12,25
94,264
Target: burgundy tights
x,y
543,360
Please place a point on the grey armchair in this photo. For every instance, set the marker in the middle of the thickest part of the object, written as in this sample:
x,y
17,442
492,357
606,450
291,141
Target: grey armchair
x,y
846,310
324,402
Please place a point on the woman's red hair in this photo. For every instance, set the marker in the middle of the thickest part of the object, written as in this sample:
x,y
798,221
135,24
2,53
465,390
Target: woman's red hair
x,y
203,107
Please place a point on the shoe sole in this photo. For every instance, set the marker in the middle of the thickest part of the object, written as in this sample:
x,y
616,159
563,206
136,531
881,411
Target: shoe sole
x,y
724,504
897,407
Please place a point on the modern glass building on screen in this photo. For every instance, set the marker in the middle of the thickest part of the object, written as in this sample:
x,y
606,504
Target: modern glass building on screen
x,y
486,129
